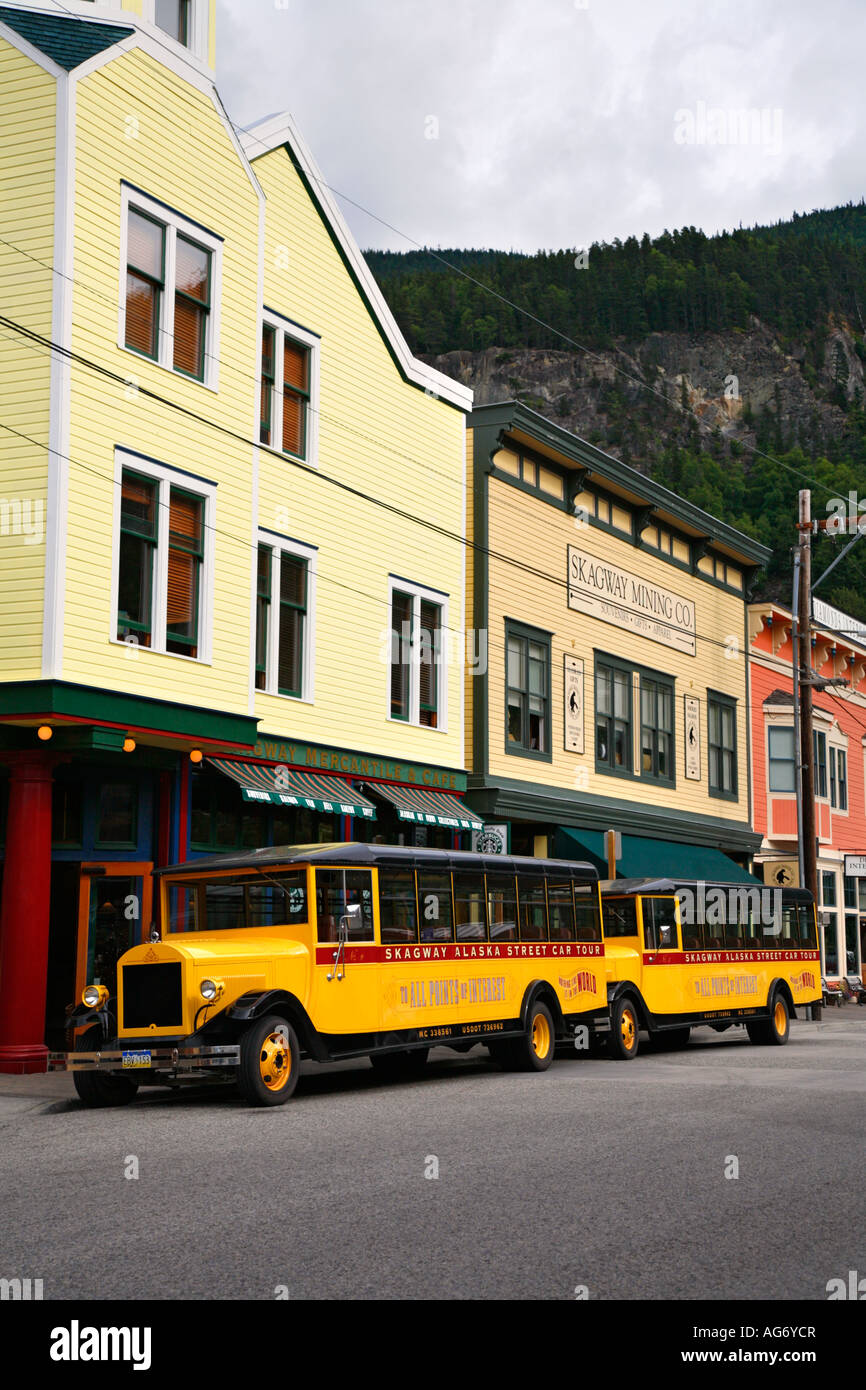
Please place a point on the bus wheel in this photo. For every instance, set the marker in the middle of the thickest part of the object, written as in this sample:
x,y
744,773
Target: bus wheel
x,y
405,1065
772,1031
97,1090
623,1030
269,1062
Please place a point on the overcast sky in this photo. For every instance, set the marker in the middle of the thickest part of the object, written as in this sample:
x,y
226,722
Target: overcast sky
x,y
521,124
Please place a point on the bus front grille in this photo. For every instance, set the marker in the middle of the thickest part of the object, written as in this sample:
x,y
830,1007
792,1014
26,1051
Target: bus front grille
x,y
152,995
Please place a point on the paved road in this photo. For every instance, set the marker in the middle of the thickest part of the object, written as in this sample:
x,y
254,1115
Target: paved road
x,y
605,1174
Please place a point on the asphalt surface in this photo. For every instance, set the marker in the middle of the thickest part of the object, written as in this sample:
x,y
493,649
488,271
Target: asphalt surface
x,y
603,1174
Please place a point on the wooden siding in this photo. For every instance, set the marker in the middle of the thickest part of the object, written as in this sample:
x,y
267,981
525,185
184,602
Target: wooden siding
x,y
27,142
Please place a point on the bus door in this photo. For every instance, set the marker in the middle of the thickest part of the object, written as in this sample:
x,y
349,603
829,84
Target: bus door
x,y
345,997
664,982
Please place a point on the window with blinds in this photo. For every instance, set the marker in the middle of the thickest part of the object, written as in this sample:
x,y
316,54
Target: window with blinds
x,y
293,610
296,396
185,557
416,657
170,274
191,307
161,559
145,282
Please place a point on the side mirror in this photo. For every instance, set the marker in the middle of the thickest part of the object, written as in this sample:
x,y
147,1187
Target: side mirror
x,y
351,919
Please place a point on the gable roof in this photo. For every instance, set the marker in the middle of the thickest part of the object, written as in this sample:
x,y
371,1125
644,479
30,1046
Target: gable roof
x,y
67,41
280,130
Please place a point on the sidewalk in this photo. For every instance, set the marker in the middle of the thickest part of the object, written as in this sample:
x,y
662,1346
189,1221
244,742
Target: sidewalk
x,y
36,1091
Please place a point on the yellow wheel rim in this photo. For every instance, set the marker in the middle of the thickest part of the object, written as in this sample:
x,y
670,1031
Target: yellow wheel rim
x,y
779,1017
540,1035
275,1062
627,1029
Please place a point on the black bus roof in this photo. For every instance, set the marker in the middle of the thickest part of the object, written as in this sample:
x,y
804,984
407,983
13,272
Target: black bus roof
x,y
354,853
630,887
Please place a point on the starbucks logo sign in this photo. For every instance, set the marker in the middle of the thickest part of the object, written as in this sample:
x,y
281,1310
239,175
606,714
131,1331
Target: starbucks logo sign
x,y
493,839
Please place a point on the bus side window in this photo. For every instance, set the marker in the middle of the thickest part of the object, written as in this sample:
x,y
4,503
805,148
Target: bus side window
x,y
620,917
434,901
336,889
660,924
469,907
808,936
398,915
561,911
359,889
502,906
533,908
586,912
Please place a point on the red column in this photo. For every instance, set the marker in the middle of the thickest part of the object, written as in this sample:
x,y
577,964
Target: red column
x,y
24,914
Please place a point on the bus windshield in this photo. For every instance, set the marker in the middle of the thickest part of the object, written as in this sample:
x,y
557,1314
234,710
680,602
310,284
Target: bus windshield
x,y
231,902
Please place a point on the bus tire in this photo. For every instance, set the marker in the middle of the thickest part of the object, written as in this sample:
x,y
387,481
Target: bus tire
x,y
623,1041
400,1065
269,1063
97,1090
772,1031
535,1050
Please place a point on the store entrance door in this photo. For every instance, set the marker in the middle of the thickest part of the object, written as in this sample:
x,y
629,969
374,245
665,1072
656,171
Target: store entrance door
x,y
114,903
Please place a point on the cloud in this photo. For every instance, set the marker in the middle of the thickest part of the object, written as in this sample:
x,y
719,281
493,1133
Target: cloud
x,y
499,123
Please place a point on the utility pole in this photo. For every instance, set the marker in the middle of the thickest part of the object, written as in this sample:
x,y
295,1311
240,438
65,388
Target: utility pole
x,y
807,742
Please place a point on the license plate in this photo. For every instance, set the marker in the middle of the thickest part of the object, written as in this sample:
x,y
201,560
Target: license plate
x,y
135,1059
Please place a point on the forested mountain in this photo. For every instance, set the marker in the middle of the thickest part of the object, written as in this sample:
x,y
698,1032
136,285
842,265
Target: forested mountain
x,y
730,368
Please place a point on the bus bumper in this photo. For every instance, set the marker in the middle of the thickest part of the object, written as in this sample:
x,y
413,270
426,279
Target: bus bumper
x,y
147,1061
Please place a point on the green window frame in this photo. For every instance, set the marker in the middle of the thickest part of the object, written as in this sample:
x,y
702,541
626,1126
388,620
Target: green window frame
x,y
264,580
429,663
781,760
269,381
528,731
722,746
838,779
819,744
109,789
417,670
154,283
657,740
614,718
192,308
139,532
291,637
185,561
296,395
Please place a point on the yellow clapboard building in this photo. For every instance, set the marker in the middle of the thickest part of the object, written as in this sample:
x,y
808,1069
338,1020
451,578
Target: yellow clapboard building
x,y
610,692
233,585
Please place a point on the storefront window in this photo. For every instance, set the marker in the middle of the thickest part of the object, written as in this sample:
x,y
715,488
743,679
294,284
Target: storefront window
x,y
118,805
66,812
220,819
829,922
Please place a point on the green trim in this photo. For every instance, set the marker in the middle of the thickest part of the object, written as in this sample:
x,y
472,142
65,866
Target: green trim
x,y
510,416
327,758
24,699
311,194
526,633
718,697
510,799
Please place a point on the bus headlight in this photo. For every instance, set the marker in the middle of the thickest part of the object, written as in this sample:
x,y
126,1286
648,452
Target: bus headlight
x,y
211,990
94,996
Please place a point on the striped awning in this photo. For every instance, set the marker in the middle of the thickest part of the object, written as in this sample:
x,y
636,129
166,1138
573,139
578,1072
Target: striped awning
x,y
428,807
289,786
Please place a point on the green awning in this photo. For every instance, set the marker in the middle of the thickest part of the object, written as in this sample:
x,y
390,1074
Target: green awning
x,y
289,786
643,857
426,807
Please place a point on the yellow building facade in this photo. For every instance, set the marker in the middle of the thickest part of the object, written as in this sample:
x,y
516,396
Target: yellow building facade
x,y
232,601
614,695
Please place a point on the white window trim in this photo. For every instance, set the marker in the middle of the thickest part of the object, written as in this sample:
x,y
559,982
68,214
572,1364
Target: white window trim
x,y
839,744
198,26
174,223
285,328
417,593
280,545
167,477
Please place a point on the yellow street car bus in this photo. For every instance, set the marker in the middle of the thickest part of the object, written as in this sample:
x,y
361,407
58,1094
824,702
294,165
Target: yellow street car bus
x,y
685,952
336,951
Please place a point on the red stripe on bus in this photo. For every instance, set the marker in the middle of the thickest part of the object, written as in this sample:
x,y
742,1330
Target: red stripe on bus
x,y
722,957
444,951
